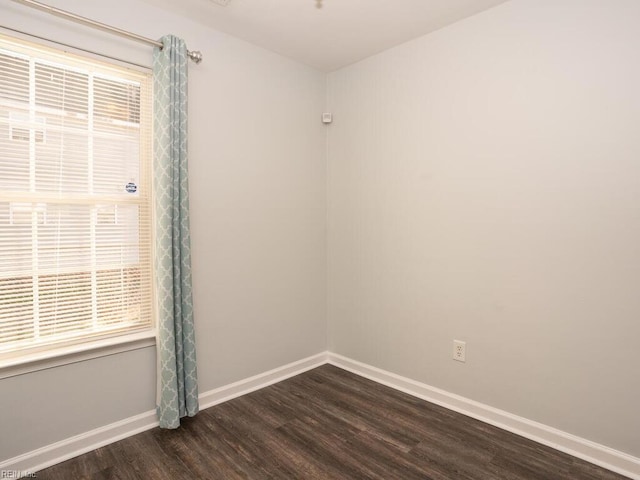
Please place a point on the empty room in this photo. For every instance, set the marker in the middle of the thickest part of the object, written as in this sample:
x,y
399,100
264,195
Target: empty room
x,y
320,239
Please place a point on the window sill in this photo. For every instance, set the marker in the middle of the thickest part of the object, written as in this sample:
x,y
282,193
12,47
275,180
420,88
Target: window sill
x,y
76,353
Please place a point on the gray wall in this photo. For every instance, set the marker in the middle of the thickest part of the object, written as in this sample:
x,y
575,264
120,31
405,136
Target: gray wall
x,y
258,206
484,185
47,406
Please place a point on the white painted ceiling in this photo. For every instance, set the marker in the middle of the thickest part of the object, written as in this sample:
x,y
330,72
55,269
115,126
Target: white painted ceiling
x,y
339,33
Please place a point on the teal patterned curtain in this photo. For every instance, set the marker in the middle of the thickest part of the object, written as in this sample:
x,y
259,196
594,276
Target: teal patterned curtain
x,y
177,376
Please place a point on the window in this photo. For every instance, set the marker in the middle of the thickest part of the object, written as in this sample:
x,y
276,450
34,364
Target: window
x,y
75,199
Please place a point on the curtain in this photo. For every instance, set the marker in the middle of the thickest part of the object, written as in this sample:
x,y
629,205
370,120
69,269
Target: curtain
x,y
177,376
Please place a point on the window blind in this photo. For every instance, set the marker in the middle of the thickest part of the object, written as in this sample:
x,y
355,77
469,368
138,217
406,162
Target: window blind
x,y
75,199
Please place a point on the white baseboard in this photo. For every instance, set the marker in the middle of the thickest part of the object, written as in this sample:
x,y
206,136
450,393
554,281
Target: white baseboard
x,y
251,384
85,442
592,452
597,454
72,447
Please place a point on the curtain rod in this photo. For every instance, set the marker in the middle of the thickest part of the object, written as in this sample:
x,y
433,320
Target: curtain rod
x,y
193,55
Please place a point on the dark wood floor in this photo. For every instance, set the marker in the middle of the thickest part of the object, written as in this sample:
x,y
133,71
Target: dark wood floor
x,y
327,424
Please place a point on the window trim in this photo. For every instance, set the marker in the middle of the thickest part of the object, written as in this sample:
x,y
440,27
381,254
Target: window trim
x,y
68,354
33,359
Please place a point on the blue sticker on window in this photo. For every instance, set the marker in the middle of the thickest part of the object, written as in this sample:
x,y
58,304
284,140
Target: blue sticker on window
x,y
131,187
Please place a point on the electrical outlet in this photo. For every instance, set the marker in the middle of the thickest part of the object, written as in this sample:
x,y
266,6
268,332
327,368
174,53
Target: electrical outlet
x,y
459,350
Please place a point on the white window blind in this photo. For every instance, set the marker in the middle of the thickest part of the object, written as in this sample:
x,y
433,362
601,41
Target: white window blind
x,y
75,199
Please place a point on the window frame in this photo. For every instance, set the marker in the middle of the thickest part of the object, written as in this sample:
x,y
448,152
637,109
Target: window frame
x,y
80,348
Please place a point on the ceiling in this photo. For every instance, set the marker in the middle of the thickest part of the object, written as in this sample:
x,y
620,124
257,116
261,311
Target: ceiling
x,y
327,34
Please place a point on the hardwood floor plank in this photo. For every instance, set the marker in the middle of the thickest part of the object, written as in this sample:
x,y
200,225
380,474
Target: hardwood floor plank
x,y
363,414
385,460
279,456
327,424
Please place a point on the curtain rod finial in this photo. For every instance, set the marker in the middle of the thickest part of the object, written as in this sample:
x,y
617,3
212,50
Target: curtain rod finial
x,y
196,56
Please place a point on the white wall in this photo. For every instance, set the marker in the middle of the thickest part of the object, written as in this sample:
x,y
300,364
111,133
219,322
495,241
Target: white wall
x,y
258,205
484,185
